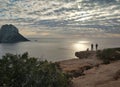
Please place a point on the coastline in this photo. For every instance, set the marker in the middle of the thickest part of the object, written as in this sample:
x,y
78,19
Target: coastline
x,y
91,72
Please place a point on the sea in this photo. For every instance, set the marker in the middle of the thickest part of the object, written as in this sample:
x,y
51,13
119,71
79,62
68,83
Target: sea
x,y
56,49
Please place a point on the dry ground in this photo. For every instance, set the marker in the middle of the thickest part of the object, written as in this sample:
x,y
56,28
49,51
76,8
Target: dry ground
x,y
99,75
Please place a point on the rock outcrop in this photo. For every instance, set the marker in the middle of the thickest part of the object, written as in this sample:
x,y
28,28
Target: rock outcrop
x,y
10,34
84,54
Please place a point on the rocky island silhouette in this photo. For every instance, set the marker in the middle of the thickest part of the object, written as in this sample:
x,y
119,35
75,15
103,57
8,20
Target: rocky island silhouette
x,y
10,34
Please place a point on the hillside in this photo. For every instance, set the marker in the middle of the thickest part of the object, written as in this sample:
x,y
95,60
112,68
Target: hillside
x,y
92,72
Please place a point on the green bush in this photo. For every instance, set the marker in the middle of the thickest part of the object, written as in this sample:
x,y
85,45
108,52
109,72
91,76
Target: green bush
x,y
23,71
110,54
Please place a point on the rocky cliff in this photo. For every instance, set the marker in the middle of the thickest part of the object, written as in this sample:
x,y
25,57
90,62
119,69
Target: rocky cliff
x,y
10,34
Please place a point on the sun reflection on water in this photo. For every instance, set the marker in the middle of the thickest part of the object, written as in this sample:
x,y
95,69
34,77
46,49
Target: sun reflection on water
x,y
81,45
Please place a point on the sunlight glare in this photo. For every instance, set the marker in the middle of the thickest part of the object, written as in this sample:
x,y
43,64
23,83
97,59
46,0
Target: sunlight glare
x,y
80,45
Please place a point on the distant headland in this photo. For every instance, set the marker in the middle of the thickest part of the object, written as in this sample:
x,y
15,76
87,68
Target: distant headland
x,y
10,34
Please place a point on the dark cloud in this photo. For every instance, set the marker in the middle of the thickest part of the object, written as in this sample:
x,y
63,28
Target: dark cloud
x,y
100,1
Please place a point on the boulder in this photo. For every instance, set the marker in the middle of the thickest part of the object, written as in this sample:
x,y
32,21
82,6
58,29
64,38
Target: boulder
x,y
10,34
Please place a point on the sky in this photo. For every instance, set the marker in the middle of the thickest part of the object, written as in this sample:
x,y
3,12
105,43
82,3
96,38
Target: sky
x,y
63,18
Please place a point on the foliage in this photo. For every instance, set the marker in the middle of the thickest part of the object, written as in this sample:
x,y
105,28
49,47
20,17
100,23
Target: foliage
x,y
23,71
110,54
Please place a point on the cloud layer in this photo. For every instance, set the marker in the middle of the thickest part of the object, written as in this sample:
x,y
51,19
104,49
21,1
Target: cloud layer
x,y
67,16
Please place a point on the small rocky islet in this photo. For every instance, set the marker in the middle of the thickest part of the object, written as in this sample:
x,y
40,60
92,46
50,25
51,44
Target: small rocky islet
x,y
10,34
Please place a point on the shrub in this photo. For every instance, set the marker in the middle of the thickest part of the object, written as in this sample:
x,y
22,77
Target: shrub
x,y
23,71
110,54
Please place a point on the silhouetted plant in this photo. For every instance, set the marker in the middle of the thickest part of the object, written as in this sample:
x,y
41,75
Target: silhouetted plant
x,y
24,71
108,55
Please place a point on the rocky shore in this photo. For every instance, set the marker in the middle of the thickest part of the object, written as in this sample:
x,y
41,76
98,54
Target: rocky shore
x,y
91,72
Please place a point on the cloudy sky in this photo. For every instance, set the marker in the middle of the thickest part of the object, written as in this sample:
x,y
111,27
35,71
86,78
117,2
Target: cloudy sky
x,y
63,18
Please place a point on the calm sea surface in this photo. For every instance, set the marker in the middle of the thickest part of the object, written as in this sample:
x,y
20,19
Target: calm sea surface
x,y
55,49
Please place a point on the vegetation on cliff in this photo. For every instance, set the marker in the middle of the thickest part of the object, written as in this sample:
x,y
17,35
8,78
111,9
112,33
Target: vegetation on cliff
x,y
24,71
108,55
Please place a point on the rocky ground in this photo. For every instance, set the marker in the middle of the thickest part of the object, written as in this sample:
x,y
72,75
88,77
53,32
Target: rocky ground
x,y
91,72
